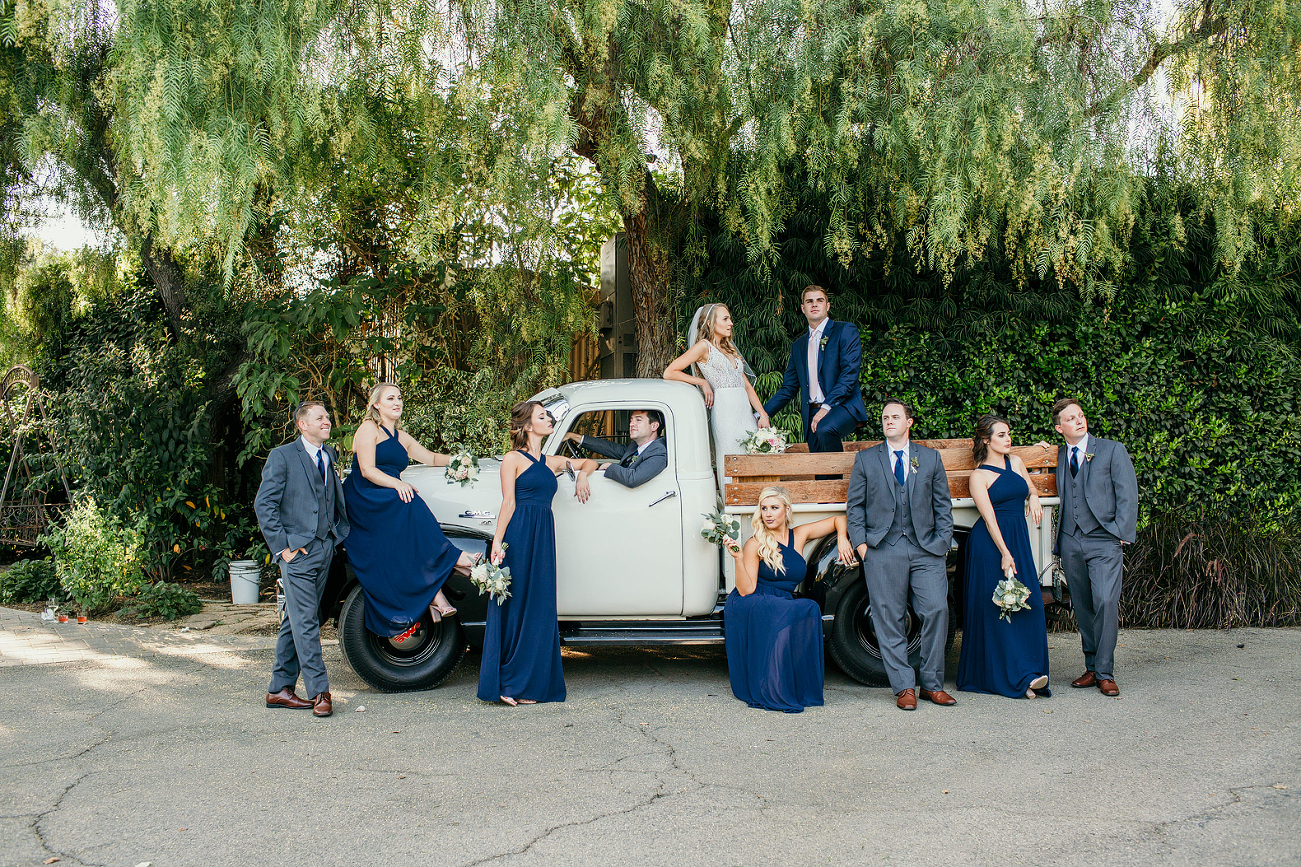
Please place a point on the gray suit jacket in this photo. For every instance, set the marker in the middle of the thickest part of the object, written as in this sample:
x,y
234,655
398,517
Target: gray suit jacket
x,y
1110,486
642,469
290,498
870,505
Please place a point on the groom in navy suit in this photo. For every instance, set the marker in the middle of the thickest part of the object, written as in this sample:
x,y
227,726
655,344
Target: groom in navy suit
x,y
831,402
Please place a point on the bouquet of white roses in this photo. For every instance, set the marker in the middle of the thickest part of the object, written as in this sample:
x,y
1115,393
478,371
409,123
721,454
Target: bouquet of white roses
x,y
722,530
463,468
492,579
1010,596
764,441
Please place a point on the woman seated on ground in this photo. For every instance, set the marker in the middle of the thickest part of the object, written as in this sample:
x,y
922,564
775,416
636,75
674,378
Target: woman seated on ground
x,y
774,641
400,555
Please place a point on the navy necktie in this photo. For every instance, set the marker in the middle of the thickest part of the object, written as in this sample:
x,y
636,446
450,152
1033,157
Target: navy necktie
x,y
1075,460
898,466
320,462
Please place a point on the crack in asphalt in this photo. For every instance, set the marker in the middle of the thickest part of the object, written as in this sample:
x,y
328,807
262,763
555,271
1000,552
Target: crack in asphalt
x,y
35,824
656,795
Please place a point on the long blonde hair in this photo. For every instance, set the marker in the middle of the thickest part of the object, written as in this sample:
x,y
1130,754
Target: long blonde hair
x,y
375,394
705,329
769,551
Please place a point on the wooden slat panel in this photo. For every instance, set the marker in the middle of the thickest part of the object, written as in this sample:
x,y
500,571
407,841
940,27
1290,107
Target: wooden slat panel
x,y
786,465
747,493
842,463
833,491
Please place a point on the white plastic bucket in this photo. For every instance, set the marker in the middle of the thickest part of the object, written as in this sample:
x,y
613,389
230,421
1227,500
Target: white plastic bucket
x,y
244,578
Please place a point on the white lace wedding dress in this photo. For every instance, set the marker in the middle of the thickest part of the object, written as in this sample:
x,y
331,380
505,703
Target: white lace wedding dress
x,y
731,417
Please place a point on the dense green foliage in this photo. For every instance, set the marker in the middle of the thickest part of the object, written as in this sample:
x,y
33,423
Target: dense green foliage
x,y
1012,202
29,581
96,557
167,600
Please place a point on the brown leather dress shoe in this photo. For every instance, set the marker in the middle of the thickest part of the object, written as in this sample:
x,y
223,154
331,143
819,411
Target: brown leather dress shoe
x,y
286,698
939,696
1085,680
906,700
323,706
1108,687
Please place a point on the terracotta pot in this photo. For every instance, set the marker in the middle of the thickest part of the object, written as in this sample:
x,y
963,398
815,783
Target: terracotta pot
x,y
81,618
63,618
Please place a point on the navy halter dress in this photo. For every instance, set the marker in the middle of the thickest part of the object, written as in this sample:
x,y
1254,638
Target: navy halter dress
x,y
521,645
397,549
1001,657
774,641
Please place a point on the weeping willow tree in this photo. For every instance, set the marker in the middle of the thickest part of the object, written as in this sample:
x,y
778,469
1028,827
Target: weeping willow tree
x,y
958,129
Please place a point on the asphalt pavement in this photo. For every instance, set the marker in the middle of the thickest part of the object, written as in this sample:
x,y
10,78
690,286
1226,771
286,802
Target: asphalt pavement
x,y
160,751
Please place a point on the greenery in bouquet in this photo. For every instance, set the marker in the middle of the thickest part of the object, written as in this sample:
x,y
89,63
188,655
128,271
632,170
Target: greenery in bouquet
x,y
492,579
1011,596
764,441
721,529
463,468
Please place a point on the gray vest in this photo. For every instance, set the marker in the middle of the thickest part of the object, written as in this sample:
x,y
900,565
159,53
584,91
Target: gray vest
x,y
903,513
325,517
1076,514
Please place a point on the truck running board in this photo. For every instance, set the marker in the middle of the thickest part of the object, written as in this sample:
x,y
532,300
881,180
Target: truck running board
x,y
598,633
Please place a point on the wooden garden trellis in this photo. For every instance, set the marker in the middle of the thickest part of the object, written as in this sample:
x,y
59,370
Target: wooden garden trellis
x,y
24,511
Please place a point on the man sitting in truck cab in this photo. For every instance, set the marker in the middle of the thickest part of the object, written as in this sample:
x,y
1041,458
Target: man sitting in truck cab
x,y
639,461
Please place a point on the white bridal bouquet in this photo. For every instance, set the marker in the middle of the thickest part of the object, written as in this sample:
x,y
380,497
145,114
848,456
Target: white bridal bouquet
x,y
464,468
1011,595
492,579
764,441
722,530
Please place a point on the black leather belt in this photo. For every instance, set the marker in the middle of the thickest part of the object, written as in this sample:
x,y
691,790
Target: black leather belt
x,y
814,406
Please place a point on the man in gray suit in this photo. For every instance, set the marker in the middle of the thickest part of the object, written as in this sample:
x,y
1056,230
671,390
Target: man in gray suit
x,y
641,460
901,522
300,510
1099,514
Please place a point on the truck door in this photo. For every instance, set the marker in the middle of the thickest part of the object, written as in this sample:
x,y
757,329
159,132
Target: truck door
x,y
620,553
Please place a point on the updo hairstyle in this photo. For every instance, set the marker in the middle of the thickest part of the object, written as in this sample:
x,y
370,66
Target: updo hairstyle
x,y
521,414
985,430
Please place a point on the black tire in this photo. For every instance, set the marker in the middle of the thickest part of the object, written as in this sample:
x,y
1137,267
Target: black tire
x,y
422,661
853,638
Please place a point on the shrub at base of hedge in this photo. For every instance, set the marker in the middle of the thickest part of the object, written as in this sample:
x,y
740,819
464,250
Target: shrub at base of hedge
x,y
1209,570
30,581
96,557
166,600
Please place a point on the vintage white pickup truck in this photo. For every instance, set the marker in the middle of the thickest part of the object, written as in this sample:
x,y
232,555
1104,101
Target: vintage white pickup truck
x,y
632,566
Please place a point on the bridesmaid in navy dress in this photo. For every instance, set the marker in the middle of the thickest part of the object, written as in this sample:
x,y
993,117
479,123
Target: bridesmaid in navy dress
x,y
521,645
1001,657
774,641
396,547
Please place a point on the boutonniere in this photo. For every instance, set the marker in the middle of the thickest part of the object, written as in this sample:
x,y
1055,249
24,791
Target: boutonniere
x,y
1088,456
916,466
822,344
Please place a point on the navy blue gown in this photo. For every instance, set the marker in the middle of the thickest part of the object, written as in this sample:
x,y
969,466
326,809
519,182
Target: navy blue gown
x,y
774,641
999,657
521,645
397,549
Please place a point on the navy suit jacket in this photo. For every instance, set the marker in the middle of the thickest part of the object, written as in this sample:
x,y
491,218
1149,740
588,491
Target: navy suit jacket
x,y
838,365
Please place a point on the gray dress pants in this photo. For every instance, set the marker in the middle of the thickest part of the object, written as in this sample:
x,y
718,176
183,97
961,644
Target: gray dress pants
x,y
895,572
1093,563
298,647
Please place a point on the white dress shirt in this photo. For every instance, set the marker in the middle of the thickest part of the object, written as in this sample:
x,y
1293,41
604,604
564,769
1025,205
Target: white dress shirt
x,y
1083,446
311,453
907,455
815,387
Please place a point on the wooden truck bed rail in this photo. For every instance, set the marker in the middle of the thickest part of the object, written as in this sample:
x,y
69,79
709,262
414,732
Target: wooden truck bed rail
x,y
795,471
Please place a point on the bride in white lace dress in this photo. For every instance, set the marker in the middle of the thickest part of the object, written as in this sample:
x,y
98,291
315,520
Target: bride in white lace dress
x,y
731,399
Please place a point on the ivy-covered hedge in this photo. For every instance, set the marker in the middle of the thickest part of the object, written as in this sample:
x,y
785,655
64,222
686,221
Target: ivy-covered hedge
x,y
1207,412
